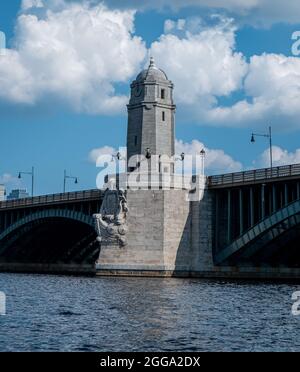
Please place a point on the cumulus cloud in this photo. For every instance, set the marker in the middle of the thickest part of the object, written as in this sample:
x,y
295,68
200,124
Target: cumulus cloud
x,y
280,157
273,83
203,65
261,13
78,53
75,54
216,160
206,68
105,150
239,5
9,181
28,4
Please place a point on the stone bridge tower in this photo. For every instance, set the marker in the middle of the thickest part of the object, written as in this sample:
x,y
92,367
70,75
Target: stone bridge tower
x,y
151,114
149,231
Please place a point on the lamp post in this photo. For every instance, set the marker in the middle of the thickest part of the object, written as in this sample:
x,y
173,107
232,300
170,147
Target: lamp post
x,y
32,179
269,136
148,153
181,158
69,177
202,153
118,157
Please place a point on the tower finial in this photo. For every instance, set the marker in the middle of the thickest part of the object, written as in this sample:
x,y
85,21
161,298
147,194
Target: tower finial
x,y
152,62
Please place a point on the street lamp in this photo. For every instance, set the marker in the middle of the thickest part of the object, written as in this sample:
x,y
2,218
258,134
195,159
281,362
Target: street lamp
x,y
181,158
148,153
69,177
118,157
268,135
32,178
202,153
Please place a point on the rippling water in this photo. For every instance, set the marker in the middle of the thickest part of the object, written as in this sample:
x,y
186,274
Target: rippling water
x,y
47,313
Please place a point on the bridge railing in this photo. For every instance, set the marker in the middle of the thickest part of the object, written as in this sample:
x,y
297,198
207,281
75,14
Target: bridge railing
x,y
254,175
52,198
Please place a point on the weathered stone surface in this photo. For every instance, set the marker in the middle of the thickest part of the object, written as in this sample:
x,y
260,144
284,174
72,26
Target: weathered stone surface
x,y
151,115
165,232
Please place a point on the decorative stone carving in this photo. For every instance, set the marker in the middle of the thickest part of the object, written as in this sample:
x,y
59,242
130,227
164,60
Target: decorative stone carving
x,y
110,223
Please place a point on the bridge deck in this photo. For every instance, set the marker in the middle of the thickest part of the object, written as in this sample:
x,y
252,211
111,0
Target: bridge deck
x,y
44,200
286,172
264,175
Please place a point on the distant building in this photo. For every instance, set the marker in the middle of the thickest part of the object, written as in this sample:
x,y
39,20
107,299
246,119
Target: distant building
x,y
2,193
18,194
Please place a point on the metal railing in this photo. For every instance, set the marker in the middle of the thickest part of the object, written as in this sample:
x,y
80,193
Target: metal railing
x,y
51,199
254,175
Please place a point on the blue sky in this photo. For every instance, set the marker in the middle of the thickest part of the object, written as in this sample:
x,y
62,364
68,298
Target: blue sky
x,y
40,127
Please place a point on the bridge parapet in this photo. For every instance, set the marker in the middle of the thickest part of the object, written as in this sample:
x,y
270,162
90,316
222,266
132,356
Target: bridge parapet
x,y
263,175
87,195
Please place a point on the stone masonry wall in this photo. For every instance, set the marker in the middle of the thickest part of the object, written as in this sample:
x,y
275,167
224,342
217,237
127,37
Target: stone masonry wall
x,y
159,233
166,233
202,234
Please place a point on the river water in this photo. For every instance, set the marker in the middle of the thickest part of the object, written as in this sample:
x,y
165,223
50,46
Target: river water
x,y
60,313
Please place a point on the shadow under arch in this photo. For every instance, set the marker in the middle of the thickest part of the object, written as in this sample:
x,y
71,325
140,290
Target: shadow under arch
x,y
273,240
51,237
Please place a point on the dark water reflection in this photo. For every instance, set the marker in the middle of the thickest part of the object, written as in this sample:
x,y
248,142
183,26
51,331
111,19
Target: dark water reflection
x,y
133,314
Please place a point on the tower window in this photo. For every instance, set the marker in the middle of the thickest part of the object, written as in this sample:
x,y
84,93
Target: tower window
x,y
163,116
135,140
162,94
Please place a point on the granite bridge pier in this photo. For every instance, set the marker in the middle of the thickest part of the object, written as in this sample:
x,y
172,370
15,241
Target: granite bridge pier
x,y
247,225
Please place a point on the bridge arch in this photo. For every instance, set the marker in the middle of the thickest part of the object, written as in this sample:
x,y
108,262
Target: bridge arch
x,y
56,237
270,229
49,213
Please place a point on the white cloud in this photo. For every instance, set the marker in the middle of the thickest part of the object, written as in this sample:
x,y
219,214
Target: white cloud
x,y
240,6
203,65
254,12
28,4
273,85
15,80
280,157
171,25
266,12
216,160
75,54
105,150
10,181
